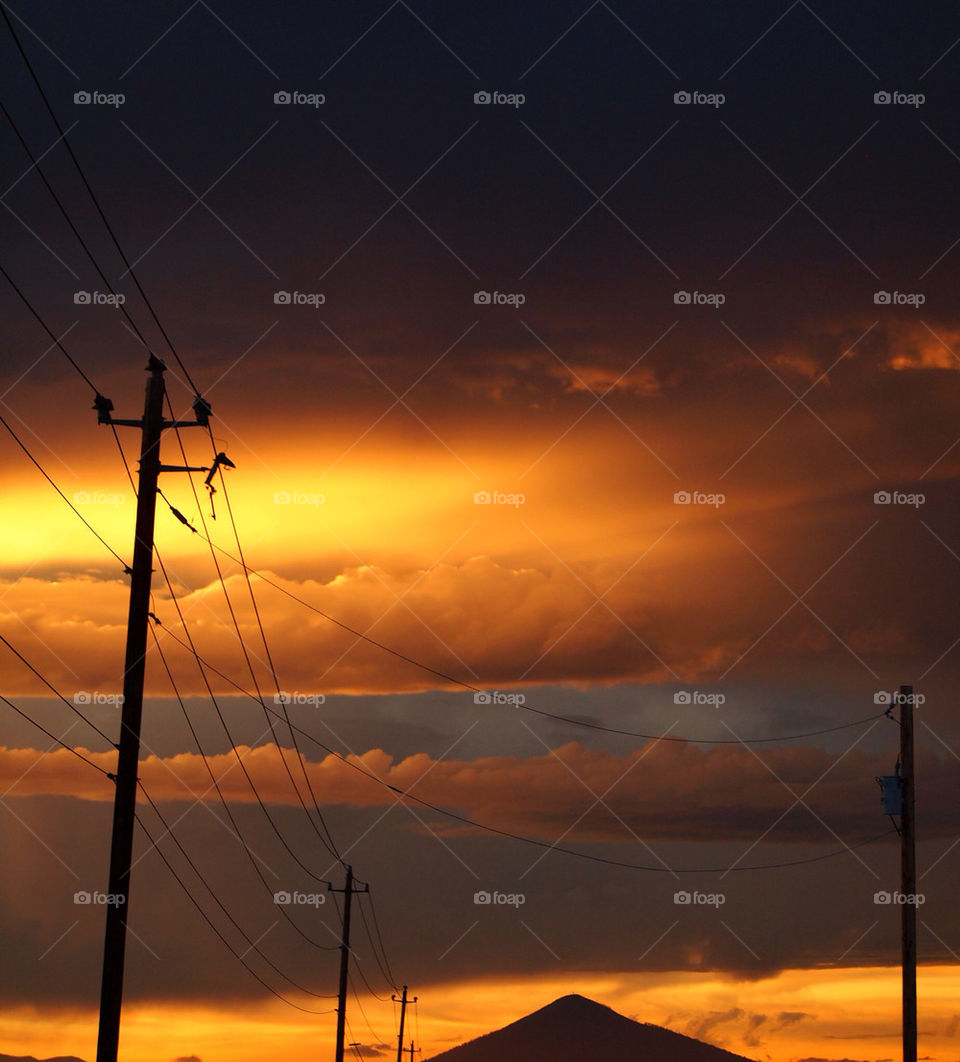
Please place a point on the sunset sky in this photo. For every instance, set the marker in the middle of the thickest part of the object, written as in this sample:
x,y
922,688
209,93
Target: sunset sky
x,y
690,472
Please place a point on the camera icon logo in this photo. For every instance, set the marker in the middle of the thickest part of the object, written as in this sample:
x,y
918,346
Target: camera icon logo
x,y
483,697
882,697
682,497
281,298
282,497
82,697
882,897
81,97
82,897
881,97
282,97
482,97
482,497
682,897
481,298
881,298
682,697
681,97
882,497
481,897
681,298
282,898
81,298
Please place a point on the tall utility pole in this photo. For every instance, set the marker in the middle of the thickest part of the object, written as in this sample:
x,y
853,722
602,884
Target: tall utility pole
x,y
410,1051
125,799
403,1013
908,878
348,890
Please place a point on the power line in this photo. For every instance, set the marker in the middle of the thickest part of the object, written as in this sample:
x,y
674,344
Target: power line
x,y
367,985
443,811
385,964
76,511
356,995
211,924
200,664
367,638
183,367
73,708
73,228
407,795
216,785
169,832
331,848
43,324
453,680
263,636
93,197
53,737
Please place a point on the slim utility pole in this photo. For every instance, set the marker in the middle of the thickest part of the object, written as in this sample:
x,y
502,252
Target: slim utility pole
x,y
348,890
410,1051
908,879
125,799
403,1013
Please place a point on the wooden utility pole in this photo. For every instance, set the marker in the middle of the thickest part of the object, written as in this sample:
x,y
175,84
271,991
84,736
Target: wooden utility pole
x,y
908,879
403,1013
348,890
410,1051
125,799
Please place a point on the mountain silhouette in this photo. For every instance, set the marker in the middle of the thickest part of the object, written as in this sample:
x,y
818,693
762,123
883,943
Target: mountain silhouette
x,y
576,1029
30,1058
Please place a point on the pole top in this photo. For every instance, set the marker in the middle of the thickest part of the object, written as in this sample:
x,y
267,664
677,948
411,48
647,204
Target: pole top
x,y
155,365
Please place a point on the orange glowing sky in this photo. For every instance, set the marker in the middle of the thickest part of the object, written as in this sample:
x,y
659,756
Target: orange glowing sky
x,y
591,596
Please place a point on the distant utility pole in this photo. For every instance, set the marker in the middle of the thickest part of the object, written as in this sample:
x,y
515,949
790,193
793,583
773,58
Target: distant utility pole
x,y
410,1051
908,879
348,890
403,1013
125,800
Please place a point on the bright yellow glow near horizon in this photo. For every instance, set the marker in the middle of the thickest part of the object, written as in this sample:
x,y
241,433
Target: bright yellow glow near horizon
x,y
852,1013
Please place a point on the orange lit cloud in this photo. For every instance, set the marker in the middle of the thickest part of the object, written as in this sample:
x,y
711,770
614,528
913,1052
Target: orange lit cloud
x,y
675,793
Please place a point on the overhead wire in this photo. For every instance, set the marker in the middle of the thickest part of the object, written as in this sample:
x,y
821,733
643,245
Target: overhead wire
x,y
453,680
130,269
263,636
93,197
323,833
383,963
572,721
223,800
169,831
453,815
328,840
70,704
485,827
49,479
121,306
155,845
356,995
53,737
253,973
396,653
192,648
29,305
